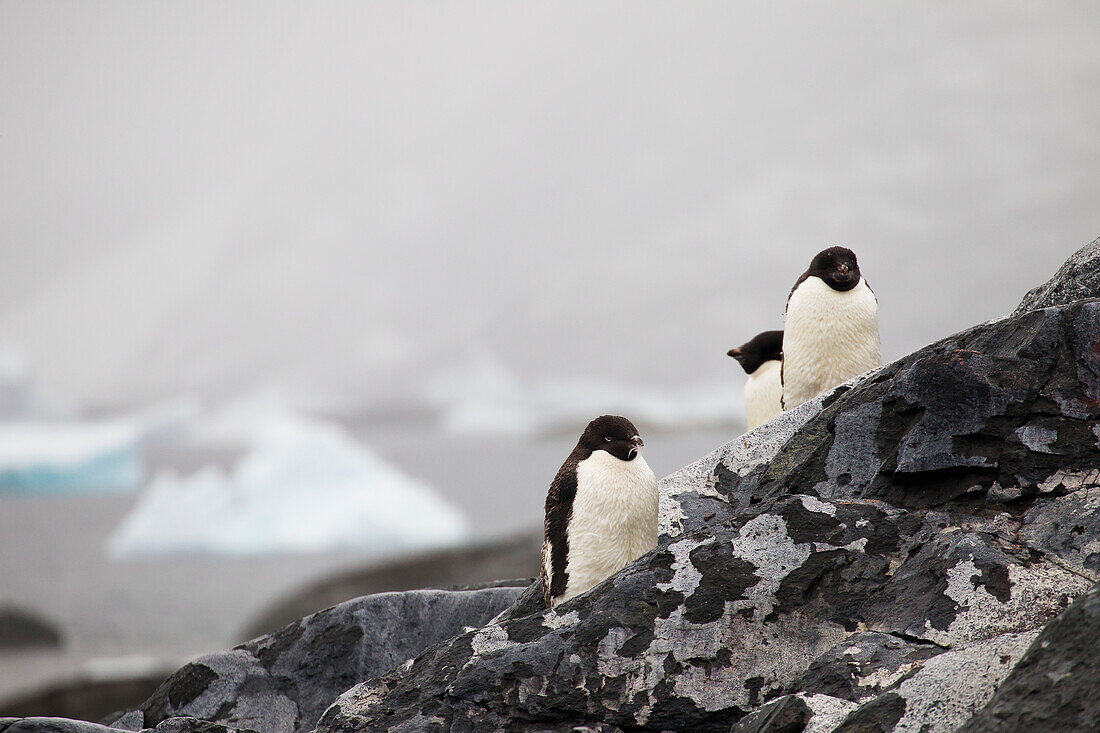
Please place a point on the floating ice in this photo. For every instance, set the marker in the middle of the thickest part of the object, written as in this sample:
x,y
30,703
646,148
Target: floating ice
x,y
43,457
301,486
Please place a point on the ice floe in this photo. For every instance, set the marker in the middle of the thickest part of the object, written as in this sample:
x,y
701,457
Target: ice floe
x,y
46,457
301,485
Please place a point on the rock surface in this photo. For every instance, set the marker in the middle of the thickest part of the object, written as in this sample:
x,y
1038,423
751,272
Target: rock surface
x,y
20,629
1077,279
1054,686
282,682
916,551
895,546
476,565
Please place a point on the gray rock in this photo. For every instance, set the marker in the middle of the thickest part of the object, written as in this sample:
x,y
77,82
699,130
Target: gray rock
x,y
1054,686
476,565
86,696
945,690
865,665
20,629
282,682
51,725
1077,279
921,502
788,714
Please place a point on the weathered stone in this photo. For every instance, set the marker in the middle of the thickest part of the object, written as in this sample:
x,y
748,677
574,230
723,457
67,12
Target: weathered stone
x,y
788,714
945,690
1077,279
477,565
865,665
51,725
1054,686
879,512
20,629
282,682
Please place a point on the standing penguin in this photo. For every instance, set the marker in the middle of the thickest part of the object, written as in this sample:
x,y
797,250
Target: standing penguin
x,y
761,358
831,332
601,512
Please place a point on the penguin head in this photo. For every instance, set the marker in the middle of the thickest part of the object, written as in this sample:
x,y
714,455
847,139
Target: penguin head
x,y
766,346
837,266
613,434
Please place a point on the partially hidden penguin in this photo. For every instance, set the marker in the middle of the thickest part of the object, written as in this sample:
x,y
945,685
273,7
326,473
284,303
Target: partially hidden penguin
x,y
831,330
601,511
761,359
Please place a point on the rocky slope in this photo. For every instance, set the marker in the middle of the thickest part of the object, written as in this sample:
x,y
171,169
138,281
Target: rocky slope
x,y
916,551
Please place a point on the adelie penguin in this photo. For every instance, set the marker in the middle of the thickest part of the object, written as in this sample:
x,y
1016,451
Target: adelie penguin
x,y
601,511
831,332
761,358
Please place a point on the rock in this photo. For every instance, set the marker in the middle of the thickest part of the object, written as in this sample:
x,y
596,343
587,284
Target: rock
x,y
945,691
788,714
282,682
922,502
799,713
20,629
864,665
1077,279
1054,686
50,725
476,565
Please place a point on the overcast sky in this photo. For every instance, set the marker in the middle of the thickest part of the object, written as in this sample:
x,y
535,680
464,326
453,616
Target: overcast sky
x,y
349,199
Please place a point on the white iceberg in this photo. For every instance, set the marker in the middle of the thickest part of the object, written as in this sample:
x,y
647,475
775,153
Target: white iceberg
x,y
46,456
301,486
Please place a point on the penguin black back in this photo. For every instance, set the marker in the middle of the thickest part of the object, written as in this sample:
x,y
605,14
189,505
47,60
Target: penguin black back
x,y
766,346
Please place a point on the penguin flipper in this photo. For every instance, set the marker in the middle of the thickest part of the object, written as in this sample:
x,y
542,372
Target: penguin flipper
x,y
555,546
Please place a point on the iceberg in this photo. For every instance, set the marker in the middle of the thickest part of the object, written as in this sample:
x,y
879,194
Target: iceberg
x,y
301,486
48,457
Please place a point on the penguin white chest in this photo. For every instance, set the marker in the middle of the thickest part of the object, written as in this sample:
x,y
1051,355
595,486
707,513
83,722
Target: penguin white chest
x,y
829,337
614,519
763,391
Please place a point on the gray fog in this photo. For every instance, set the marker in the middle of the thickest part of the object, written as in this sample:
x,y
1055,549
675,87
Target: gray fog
x,y
346,201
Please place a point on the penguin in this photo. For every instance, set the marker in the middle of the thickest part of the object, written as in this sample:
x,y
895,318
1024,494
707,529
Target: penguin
x,y
761,359
831,332
601,510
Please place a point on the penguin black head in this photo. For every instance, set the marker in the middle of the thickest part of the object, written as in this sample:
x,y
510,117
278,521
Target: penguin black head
x,y
766,346
613,434
837,266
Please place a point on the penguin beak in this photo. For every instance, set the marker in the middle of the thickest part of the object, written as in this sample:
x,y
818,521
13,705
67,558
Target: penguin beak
x,y
843,268
735,353
636,445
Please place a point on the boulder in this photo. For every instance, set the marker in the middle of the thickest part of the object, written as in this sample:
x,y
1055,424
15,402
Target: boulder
x,y
65,725
1054,686
894,546
1077,279
20,629
475,565
282,682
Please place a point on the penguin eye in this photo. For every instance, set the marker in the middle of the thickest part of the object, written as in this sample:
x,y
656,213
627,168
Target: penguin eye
x,y
607,438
